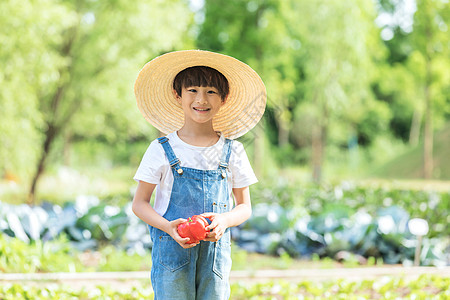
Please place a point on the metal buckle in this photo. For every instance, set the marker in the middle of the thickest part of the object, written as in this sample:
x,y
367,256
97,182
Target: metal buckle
x,y
163,140
173,162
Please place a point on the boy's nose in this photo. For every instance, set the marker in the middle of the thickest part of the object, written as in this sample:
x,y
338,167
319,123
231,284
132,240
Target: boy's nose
x,y
201,98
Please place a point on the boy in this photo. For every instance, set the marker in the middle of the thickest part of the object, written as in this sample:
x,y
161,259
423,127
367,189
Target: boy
x,y
202,100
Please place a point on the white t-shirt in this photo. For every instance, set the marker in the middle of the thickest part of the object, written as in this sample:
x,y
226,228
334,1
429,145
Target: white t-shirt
x,y
154,167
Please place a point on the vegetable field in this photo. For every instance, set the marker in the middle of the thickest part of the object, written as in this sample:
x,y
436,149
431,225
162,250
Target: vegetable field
x,y
423,287
308,228
342,222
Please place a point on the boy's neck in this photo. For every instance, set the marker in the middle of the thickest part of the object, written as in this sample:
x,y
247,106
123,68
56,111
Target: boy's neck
x,y
198,136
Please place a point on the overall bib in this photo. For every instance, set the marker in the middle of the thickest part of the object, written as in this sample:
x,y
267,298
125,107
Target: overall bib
x,y
201,272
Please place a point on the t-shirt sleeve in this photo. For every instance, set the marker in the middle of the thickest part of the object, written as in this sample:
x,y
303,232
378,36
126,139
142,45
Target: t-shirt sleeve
x,y
242,172
152,164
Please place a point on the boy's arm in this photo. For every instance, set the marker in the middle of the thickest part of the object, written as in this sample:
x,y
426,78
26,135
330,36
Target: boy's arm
x,y
238,215
142,209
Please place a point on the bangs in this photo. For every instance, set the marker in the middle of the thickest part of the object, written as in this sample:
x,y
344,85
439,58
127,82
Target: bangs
x,y
201,76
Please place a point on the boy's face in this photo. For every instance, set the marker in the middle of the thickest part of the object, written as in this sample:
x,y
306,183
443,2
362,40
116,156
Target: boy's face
x,y
200,104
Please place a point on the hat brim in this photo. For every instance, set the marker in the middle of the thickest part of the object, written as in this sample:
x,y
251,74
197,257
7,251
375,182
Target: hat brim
x,y
243,109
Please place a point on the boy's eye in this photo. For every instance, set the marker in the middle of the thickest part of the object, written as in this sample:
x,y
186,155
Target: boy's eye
x,y
212,92
192,90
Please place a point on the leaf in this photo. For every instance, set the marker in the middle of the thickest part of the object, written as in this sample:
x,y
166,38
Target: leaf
x,y
16,226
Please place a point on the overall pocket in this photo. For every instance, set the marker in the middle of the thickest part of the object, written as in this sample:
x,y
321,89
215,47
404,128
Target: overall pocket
x,y
170,254
221,207
222,256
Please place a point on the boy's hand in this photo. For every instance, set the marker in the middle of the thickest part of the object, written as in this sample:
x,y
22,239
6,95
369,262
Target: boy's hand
x,y
173,232
218,226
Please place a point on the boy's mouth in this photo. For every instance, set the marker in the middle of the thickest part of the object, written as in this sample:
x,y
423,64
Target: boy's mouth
x,y
201,109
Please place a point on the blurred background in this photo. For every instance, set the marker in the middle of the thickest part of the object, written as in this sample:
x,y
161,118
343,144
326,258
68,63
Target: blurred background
x,y
354,143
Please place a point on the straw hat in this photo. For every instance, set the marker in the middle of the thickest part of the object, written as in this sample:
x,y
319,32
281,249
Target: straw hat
x,y
155,98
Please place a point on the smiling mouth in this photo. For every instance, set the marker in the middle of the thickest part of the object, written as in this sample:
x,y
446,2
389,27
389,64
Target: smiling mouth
x,y
202,109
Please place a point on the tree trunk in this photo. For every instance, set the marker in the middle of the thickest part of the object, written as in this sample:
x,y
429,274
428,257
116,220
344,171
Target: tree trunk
x,y
428,129
319,138
53,129
258,149
67,147
414,133
50,135
283,133
317,151
49,138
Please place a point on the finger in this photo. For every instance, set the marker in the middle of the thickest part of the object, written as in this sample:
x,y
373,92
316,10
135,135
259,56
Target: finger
x,y
214,238
209,215
184,242
214,235
217,234
179,221
181,240
211,226
192,245
211,237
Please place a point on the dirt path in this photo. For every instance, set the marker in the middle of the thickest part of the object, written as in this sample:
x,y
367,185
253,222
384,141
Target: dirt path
x,y
126,280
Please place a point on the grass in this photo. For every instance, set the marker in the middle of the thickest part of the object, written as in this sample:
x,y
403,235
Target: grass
x,y
245,261
109,260
408,165
57,255
65,184
423,287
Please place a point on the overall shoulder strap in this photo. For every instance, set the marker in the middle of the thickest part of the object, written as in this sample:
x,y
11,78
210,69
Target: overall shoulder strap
x,y
226,153
173,160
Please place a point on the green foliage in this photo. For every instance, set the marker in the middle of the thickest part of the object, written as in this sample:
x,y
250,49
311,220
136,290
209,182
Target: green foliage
x,y
113,259
314,200
343,79
346,221
69,67
243,260
423,287
59,255
420,65
23,292
116,40
385,288
17,256
288,218
409,163
30,30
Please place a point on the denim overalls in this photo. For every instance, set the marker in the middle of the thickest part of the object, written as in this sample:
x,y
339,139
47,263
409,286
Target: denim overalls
x,y
201,272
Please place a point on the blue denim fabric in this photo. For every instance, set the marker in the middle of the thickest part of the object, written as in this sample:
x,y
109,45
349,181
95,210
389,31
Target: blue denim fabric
x,y
201,272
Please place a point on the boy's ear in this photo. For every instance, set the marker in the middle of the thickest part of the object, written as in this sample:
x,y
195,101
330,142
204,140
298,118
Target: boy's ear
x,y
224,100
178,97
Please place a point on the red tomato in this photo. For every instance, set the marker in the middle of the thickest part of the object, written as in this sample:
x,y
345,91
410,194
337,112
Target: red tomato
x,y
194,229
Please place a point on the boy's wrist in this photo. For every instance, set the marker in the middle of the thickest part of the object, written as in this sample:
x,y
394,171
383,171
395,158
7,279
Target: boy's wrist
x,y
166,227
226,219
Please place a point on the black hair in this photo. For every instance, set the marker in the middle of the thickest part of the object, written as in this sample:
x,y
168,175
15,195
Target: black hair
x,y
201,76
